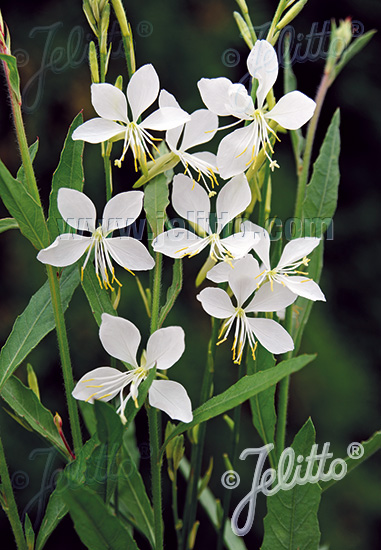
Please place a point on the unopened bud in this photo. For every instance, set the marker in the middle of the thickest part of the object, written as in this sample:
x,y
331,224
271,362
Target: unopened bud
x,y
90,16
32,381
178,451
340,38
243,6
119,82
243,29
58,422
291,14
93,62
104,24
121,17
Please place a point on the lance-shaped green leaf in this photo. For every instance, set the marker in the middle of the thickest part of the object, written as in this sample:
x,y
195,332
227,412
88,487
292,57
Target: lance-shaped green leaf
x,y
32,153
321,193
155,203
246,388
69,173
56,509
262,405
370,446
14,78
36,321
96,526
302,307
26,211
8,223
291,521
29,533
25,403
354,48
98,298
133,501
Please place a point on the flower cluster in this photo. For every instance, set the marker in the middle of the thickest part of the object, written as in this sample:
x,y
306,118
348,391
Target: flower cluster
x,y
256,291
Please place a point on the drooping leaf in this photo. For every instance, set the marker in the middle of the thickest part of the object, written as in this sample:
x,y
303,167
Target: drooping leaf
x,y
291,521
14,78
32,153
8,223
96,526
69,173
321,193
370,446
23,207
354,48
155,202
246,388
26,405
132,497
36,321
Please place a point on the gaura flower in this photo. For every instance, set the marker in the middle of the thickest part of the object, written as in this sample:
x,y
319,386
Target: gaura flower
x,y
217,303
200,129
121,339
110,103
286,273
239,149
191,202
79,212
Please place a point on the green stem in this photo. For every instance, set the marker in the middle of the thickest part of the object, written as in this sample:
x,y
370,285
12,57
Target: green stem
x,y
176,512
10,506
303,177
284,386
278,14
106,151
198,449
154,420
63,345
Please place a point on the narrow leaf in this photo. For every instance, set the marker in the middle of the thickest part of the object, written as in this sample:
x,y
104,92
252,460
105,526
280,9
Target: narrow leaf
x,y
8,223
96,526
14,78
155,202
291,521
321,194
26,211
36,321
69,173
32,153
246,388
357,45
173,290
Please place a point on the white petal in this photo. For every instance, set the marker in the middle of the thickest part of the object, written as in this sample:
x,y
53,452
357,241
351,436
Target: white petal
x,y
209,158
263,65
172,137
191,201
266,299
176,243
220,272
130,253
271,335
167,100
214,94
120,338
122,210
262,244
165,119
242,278
302,286
65,250
239,244
236,151
241,104
297,249
76,209
165,347
109,102
292,110
97,130
103,381
172,398
142,90
216,303
200,129
232,200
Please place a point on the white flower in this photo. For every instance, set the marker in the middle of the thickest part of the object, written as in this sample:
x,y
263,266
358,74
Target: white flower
x,y
217,303
191,202
239,149
286,272
79,212
121,339
111,105
200,129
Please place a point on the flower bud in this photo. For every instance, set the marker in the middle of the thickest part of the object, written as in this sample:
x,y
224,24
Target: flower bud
x,y
93,62
243,29
178,451
119,84
340,38
242,4
32,381
291,14
121,17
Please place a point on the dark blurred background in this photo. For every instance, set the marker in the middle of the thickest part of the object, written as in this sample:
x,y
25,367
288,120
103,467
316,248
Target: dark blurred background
x,y
186,40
